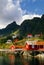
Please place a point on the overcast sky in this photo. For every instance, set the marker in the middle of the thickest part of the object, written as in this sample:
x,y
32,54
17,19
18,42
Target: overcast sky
x,y
19,10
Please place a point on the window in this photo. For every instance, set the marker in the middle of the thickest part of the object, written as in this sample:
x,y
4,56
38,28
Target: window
x,y
32,46
41,46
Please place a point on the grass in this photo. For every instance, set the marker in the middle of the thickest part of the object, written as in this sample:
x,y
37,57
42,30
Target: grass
x,y
16,32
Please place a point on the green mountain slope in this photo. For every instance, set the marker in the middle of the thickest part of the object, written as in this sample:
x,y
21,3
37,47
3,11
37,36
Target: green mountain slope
x,y
34,26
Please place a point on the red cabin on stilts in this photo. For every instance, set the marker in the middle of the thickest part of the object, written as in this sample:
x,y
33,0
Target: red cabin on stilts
x,y
32,45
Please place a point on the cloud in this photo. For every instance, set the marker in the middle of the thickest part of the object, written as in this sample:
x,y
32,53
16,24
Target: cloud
x,y
30,16
10,10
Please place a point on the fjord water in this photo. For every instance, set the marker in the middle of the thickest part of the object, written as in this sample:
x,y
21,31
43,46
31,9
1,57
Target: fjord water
x,y
12,59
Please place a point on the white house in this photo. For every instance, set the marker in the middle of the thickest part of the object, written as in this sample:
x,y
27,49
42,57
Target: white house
x,y
9,41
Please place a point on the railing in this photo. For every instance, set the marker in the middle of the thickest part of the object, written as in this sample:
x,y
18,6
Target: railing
x,y
11,50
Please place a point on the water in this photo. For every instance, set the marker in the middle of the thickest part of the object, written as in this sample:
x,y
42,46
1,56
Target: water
x,y
12,59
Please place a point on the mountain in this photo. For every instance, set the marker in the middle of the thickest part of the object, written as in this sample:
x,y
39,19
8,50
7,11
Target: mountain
x,y
34,26
9,29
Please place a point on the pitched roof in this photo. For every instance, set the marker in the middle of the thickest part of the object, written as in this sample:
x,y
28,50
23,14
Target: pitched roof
x,y
35,42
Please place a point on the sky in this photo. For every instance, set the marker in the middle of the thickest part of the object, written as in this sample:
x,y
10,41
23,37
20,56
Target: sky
x,y
19,10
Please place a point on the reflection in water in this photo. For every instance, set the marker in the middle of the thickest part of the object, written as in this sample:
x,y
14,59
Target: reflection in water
x,y
11,59
34,61
18,60
31,61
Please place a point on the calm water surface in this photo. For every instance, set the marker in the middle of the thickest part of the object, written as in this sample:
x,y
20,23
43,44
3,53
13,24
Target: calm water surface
x,y
11,59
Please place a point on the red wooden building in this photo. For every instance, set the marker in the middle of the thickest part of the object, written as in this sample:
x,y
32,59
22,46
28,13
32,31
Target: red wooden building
x,y
12,47
31,45
29,35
